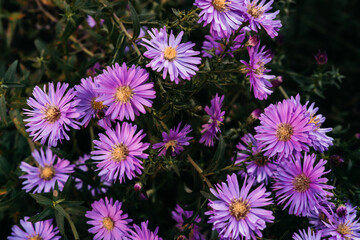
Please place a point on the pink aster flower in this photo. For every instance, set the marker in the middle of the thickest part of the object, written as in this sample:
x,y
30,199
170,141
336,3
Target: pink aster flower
x,y
118,151
211,128
43,230
218,45
143,233
284,130
108,220
257,73
301,185
170,55
52,113
44,176
176,139
124,91
223,16
309,235
238,212
256,13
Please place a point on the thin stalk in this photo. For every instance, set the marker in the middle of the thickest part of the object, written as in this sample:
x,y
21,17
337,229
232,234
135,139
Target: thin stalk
x,y
200,171
283,92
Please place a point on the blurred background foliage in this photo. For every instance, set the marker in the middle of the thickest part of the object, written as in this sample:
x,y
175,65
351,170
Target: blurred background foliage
x,y
49,40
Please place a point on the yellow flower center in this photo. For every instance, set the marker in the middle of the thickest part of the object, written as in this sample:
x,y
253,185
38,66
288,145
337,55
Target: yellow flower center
x,y
254,11
37,237
97,105
52,113
108,223
170,53
315,121
239,208
119,152
284,132
123,94
343,229
172,144
220,5
301,183
47,172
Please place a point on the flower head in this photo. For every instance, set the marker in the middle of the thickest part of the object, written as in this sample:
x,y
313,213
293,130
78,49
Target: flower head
x,y
108,220
257,73
301,185
52,113
238,212
170,55
124,91
175,140
223,16
309,235
118,151
44,176
211,128
42,230
143,233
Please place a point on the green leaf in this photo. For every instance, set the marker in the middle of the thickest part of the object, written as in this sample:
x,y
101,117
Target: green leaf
x,y
120,47
47,213
135,21
10,73
4,166
42,200
60,222
219,155
60,153
208,195
67,188
13,85
3,109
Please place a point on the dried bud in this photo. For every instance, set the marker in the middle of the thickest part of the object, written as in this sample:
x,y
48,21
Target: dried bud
x,y
341,211
100,114
181,237
253,40
55,193
321,57
336,159
137,187
277,82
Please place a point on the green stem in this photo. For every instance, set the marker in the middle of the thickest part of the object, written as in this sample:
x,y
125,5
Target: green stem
x,y
200,171
283,92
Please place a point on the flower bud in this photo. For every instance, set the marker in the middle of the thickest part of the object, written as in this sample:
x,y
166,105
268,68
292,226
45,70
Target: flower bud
x,y
336,159
341,211
253,40
277,81
137,187
321,58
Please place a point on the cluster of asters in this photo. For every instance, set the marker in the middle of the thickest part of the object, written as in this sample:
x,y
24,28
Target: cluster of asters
x,y
277,155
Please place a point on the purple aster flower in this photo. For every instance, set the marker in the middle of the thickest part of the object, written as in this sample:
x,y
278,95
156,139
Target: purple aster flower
x,y
42,230
320,213
342,228
223,16
211,128
301,185
257,15
238,212
218,45
118,152
80,163
143,233
176,139
284,130
108,220
124,91
309,235
47,172
52,113
177,59
257,73
179,215
258,166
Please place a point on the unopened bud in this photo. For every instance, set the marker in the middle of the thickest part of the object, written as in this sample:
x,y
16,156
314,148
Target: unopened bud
x,y
100,114
321,57
277,81
253,40
55,193
256,113
357,135
336,159
181,237
341,211
137,187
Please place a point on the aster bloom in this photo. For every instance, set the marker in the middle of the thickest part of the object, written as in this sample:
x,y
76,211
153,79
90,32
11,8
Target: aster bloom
x,y
284,130
176,139
42,230
108,220
143,233
52,113
238,212
342,228
214,44
124,91
211,128
301,185
309,235
256,13
258,166
179,215
170,55
118,151
223,16
257,73
44,176
320,213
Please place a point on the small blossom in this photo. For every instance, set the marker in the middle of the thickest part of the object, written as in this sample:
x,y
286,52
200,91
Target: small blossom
x,y
143,233
309,235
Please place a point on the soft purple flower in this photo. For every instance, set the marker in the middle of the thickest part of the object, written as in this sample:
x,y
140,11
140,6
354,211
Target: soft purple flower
x,y
218,45
257,73
342,211
211,128
238,212
309,235
137,187
321,57
179,215
301,185
81,162
256,13
118,151
52,113
170,55
223,16
319,214
342,228
43,230
43,177
124,91
108,220
258,166
284,130
143,233
253,40
176,139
